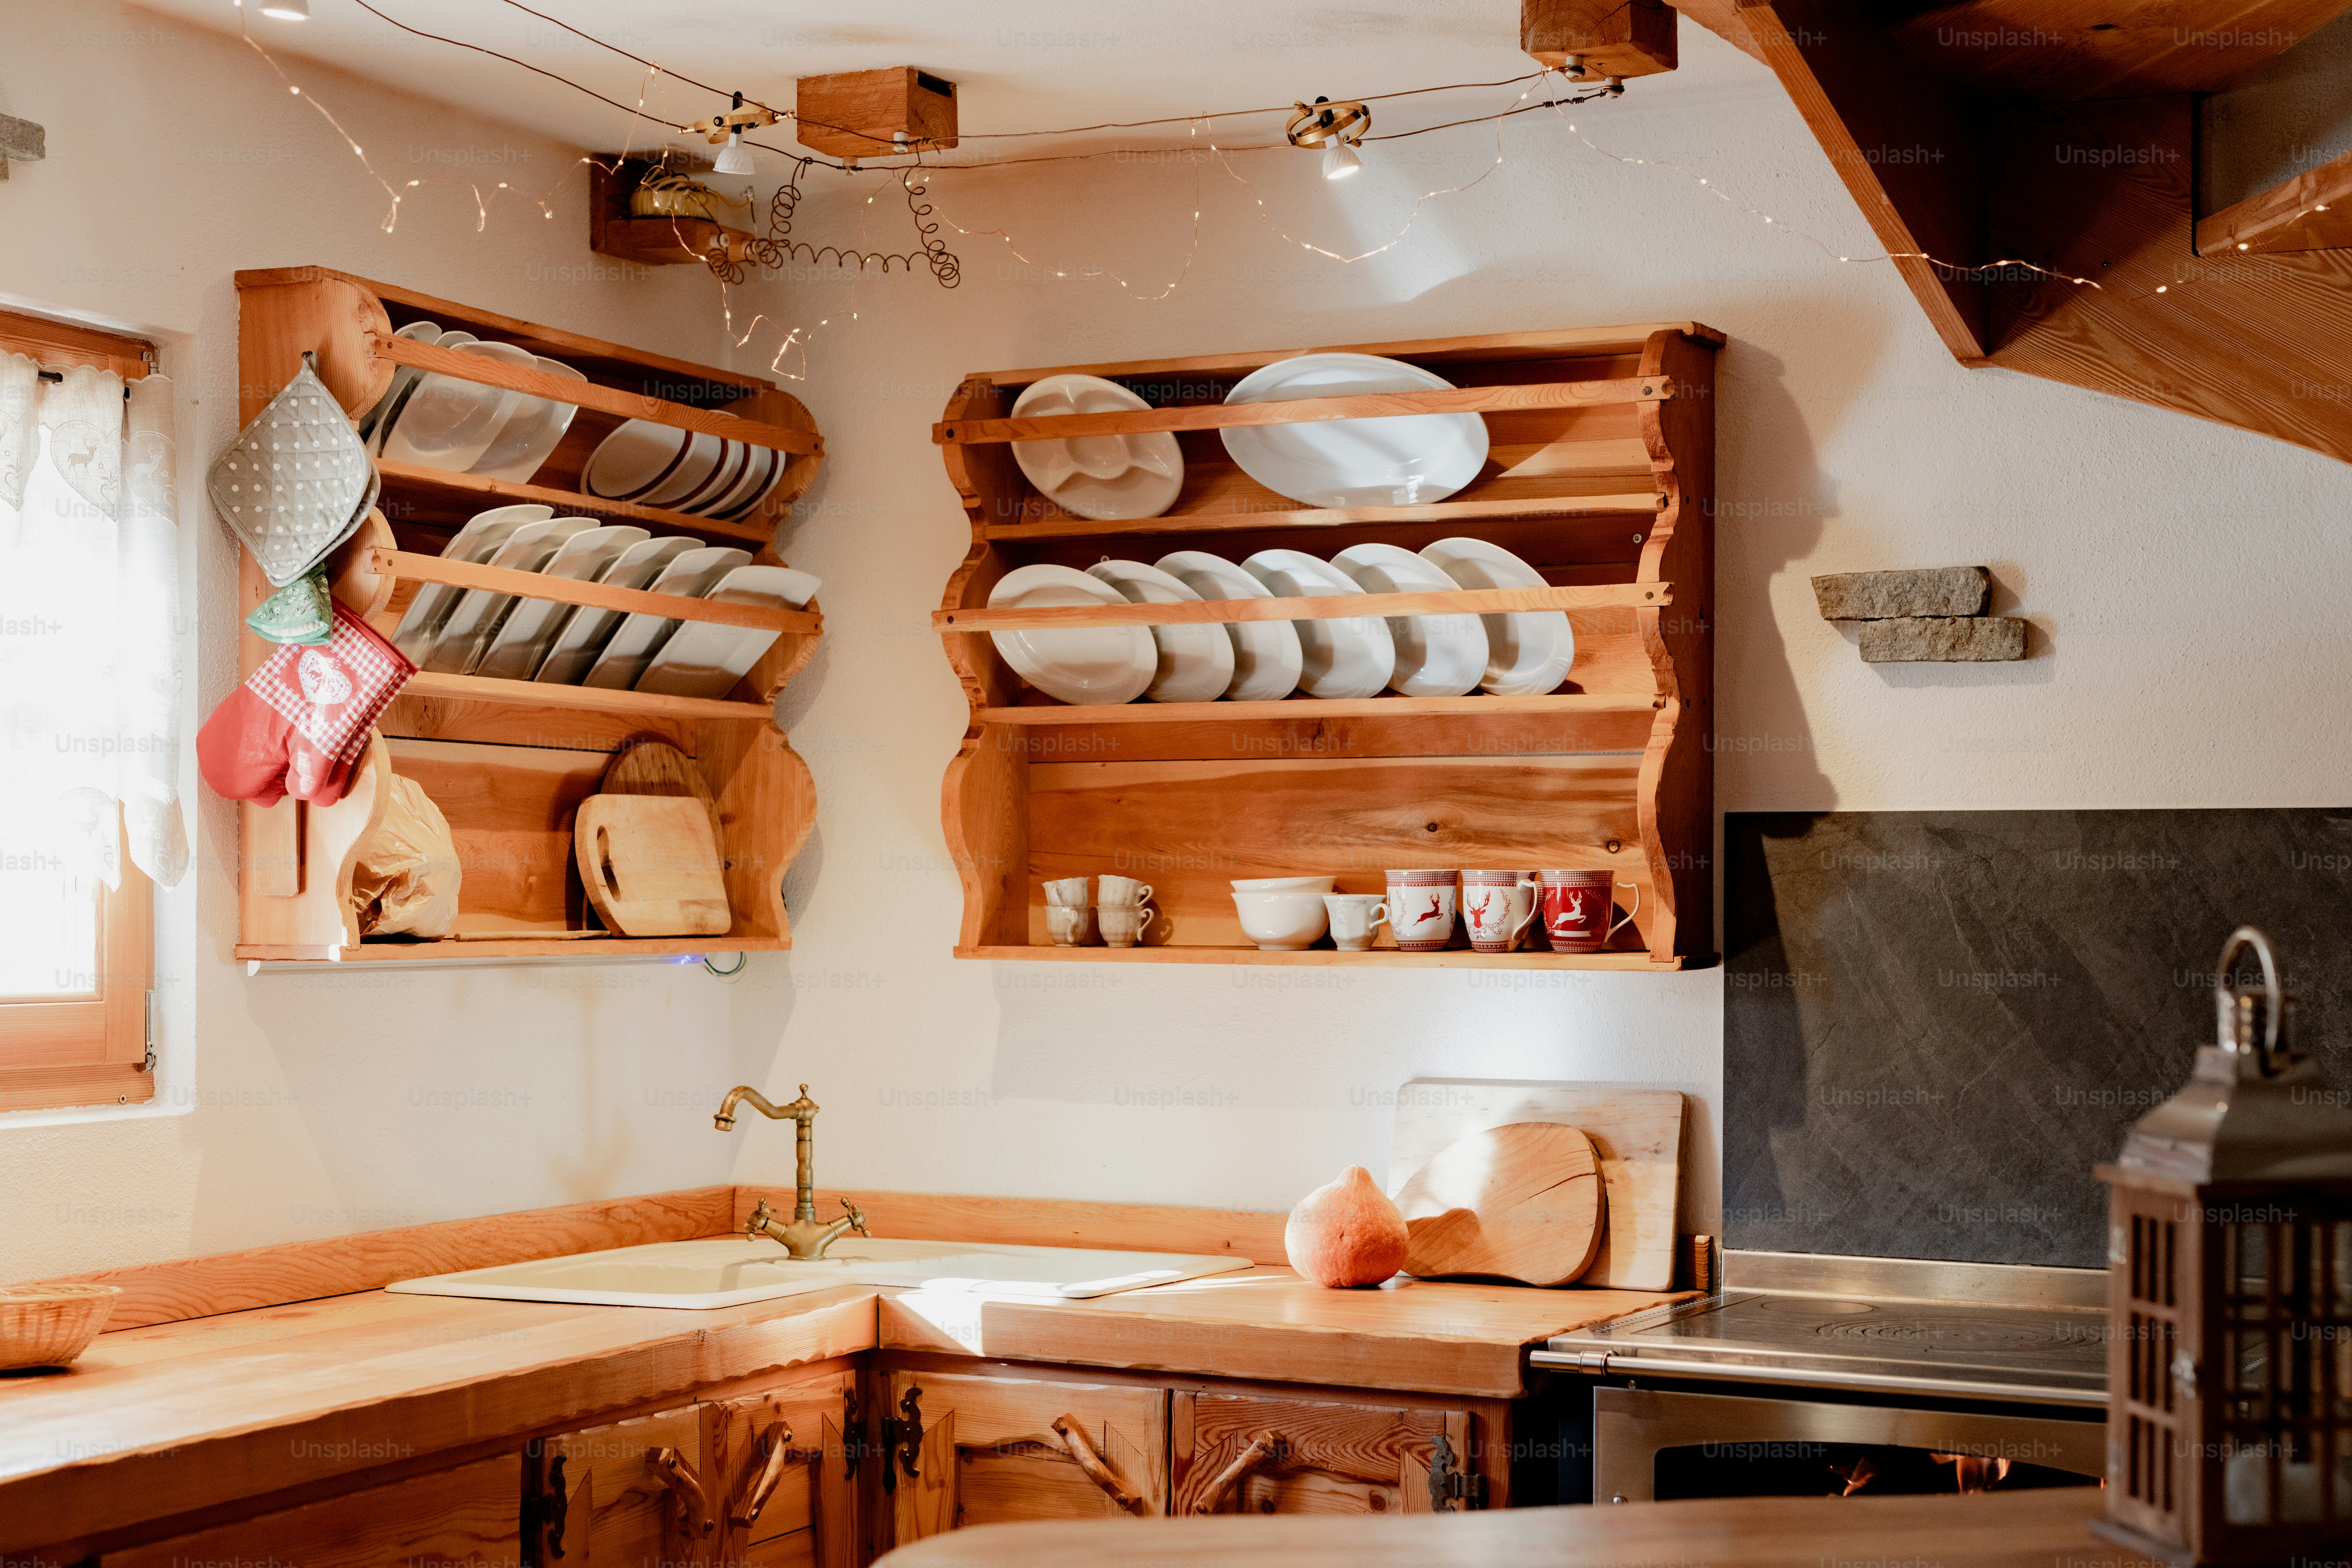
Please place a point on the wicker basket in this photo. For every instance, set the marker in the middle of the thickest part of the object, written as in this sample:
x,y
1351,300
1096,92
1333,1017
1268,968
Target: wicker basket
x,y
48,1325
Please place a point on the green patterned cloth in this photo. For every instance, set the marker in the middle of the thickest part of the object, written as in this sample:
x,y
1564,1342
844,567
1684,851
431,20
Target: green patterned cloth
x,y
302,611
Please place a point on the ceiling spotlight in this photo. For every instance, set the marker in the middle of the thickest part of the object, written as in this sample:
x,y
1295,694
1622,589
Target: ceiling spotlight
x,y
287,10
1337,128
734,158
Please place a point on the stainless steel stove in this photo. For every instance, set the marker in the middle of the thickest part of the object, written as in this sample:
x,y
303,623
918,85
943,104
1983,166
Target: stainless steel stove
x,y
2001,1365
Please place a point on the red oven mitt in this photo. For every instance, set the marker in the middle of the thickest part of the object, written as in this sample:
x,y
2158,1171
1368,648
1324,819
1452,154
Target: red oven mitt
x,y
300,722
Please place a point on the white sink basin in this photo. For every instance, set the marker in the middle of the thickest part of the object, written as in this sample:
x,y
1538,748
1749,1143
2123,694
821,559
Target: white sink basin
x,y
729,1271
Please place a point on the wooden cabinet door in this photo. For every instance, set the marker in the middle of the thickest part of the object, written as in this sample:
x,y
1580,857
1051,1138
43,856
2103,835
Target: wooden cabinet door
x,y
994,1448
789,1441
470,1515
601,1499
1251,1453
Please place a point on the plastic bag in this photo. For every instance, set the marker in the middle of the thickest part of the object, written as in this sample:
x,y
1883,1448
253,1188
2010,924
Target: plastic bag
x,y
405,883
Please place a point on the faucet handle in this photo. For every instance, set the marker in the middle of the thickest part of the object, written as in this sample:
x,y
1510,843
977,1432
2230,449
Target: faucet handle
x,y
759,1221
856,1217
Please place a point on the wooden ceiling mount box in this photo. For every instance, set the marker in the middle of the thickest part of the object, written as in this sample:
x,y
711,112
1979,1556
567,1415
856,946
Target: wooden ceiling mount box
x,y
871,115
508,762
1601,475
1611,37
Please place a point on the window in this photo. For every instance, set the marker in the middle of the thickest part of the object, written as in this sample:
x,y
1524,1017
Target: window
x,y
76,957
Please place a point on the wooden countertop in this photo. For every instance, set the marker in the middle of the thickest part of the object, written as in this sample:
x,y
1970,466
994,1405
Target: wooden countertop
x,y
2008,1530
179,1415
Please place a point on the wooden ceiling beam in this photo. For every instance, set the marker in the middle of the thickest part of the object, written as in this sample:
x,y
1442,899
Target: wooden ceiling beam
x,y
1903,142
2313,211
2058,51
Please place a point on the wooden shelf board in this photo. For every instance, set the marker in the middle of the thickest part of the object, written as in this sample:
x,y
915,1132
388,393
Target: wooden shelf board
x,y
513,947
1643,503
2312,211
441,569
1379,957
583,353
1307,708
1314,607
398,477
1572,342
542,694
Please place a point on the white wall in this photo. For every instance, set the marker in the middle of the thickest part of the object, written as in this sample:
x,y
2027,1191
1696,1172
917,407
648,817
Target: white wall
x,y
2183,584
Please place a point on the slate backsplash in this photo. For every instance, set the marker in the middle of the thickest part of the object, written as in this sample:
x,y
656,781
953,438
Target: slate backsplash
x,y
1936,1023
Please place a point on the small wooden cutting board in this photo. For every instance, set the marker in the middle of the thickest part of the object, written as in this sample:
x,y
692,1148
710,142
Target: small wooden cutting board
x,y
1519,1202
650,865
647,766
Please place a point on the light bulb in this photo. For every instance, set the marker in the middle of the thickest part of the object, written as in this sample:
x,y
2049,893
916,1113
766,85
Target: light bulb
x,y
287,10
1339,160
734,158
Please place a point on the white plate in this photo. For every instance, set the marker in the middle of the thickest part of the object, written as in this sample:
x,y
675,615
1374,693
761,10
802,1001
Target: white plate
x,y
734,457
690,575
402,378
584,632
704,454
1265,653
531,430
1350,657
633,460
470,627
759,470
530,626
1411,460
449,423
1087,665
476,542
707,660
1196,662
1436,656
1528,652
1100,477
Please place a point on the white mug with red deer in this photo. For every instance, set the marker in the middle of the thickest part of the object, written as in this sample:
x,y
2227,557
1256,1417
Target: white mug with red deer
x,y
1577,906
1497,906
1420,909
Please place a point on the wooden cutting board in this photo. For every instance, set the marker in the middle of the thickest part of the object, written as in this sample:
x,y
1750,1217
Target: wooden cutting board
x,y
650,865
1520,1202
1637,1134
646,766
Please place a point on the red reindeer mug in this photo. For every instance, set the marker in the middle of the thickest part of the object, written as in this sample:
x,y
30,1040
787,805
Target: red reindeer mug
x,y
1577,906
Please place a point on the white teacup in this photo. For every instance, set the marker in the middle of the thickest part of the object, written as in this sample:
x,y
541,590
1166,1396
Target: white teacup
x,y
1069,893
1354,918
1123,893
1068,927
1123,924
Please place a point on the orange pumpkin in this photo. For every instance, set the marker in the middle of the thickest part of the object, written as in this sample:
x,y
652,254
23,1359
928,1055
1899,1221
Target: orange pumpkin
x,y
1346,1233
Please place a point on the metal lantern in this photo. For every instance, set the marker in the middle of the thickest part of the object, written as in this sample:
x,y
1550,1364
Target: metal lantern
x,y
2230,1300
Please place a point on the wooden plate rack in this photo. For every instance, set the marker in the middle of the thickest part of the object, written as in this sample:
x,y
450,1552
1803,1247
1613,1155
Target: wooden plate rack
x,y
1601,475
509,760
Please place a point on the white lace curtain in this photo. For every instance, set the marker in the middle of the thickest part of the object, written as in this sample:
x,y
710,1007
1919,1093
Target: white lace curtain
x,y
89,622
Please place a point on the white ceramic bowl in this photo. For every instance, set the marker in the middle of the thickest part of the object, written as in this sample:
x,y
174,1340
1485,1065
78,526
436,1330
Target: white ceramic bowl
x,y
1283,922
703,453
1318,885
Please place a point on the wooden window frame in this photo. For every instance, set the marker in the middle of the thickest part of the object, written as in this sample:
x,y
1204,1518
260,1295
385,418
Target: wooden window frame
x,y
89,1051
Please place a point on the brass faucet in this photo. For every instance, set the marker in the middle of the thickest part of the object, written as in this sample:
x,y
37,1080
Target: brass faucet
x,y
807,1236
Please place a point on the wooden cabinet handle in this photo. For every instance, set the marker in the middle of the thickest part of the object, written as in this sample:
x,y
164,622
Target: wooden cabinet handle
x,y
1264,1446
672,1468
1097,1469
776,1442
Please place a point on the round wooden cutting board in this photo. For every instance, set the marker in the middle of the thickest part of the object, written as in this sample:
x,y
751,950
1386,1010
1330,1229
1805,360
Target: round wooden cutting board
x,y
1519,1202
647,766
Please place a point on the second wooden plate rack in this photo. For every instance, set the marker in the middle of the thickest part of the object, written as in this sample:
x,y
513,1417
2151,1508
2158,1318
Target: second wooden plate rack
x,y
509,760
1601,475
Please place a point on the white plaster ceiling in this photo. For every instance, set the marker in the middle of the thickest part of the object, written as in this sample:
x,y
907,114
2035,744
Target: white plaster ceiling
x,y
1020,65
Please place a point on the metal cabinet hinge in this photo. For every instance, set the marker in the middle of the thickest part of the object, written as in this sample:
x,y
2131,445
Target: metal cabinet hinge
x,y
543,1510
148,1063
1447,1485
853,1434
902,1436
